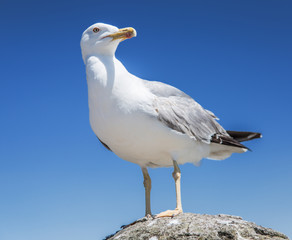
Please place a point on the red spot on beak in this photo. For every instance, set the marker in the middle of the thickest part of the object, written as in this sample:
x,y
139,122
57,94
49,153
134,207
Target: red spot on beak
x,y
129,35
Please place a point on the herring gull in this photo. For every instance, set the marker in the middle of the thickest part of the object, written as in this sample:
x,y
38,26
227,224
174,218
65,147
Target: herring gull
x,y
145,122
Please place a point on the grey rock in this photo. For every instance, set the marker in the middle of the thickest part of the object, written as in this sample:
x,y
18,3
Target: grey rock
x,y
195,226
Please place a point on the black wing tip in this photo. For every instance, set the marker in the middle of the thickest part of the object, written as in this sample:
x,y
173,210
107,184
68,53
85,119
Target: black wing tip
x,y
244,136
227,140
260,135
256,135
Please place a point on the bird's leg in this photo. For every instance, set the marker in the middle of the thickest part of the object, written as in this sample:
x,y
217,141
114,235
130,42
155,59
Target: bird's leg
x,y
147,185
176,175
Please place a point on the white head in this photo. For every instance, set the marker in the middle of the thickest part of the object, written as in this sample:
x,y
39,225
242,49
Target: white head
x,y
103,39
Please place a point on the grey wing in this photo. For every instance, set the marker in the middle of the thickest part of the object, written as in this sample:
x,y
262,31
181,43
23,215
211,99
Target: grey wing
x,y
163,90
180,112
185,115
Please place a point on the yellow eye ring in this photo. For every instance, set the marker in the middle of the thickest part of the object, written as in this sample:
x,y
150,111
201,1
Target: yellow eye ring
x,y
95,30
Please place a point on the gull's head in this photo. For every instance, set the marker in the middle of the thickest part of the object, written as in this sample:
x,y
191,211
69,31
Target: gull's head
x,y
103,39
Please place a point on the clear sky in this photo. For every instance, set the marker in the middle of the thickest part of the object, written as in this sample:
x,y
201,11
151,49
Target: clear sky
x,y
233,57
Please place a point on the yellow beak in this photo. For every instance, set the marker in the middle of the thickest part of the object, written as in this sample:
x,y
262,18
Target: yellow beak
x,y
123,34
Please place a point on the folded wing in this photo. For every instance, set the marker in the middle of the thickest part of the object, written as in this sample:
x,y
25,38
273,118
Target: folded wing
x,y
181,113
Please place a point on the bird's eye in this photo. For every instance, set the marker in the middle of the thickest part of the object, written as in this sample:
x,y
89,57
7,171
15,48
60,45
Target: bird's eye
x,y
95,30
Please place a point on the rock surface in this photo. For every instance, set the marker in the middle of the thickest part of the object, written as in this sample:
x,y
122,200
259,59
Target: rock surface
x,y
195,226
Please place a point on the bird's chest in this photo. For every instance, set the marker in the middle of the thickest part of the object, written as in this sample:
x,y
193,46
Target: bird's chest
x,y
116,124
117,114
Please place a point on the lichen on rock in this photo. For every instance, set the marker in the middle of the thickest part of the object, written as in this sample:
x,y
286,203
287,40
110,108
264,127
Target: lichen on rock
x,y
195,226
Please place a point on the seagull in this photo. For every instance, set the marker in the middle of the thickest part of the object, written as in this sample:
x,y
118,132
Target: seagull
x,y
146,122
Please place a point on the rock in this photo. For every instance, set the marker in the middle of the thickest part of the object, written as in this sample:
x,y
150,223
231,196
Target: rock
x,y
195,226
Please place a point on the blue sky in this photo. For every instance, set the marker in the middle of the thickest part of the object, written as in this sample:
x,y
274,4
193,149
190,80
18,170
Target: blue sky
x,y
233,57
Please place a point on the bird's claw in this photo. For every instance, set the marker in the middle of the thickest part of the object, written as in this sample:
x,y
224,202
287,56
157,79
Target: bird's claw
x,y
169,213
148,216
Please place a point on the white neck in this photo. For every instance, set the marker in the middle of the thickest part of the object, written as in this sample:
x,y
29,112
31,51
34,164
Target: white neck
x,y
105,51
103,73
